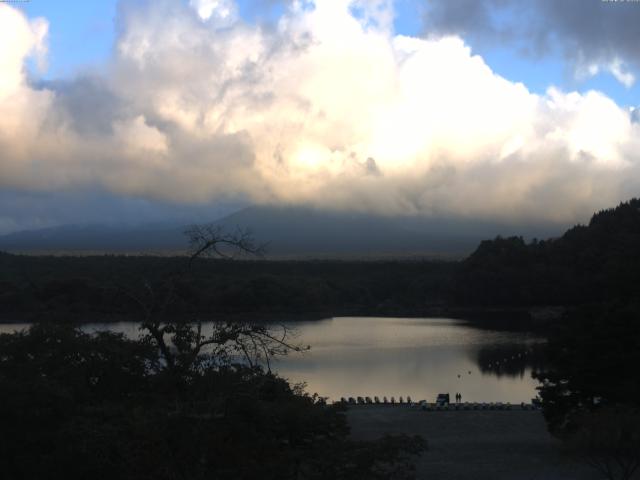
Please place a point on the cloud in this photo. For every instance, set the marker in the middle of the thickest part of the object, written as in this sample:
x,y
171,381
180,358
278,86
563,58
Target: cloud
x,y
593,35
328,107
221,10
617,69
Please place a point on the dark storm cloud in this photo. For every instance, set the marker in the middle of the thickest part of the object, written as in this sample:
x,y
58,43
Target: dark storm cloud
x,y
464,17
599,29
591,31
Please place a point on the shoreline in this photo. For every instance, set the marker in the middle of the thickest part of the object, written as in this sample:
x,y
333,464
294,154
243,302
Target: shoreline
x,y
532,319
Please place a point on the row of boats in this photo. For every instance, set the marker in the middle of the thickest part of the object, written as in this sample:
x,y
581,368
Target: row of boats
x,y
438,405
375,400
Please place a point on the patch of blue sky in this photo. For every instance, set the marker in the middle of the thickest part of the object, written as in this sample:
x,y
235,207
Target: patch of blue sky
x,y
81,34
537,74
260,11
540,73
408,17
607,83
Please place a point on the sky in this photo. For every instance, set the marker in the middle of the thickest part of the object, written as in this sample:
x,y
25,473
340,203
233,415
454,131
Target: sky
x,y
485,109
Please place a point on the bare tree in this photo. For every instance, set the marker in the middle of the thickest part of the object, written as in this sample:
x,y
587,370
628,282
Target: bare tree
x,y
211,240
183,344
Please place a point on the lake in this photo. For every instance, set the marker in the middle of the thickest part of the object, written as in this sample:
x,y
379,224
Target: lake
x,y
417,357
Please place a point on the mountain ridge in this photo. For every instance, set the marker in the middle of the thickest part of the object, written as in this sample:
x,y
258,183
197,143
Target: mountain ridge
x,y
289,232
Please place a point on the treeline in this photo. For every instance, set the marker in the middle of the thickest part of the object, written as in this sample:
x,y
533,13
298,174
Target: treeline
x,y
588,264
80,287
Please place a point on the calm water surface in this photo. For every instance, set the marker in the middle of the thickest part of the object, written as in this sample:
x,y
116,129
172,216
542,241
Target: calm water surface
x,y
367,356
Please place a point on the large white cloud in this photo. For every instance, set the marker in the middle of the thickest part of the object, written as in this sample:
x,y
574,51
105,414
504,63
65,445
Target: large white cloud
x,y
327,107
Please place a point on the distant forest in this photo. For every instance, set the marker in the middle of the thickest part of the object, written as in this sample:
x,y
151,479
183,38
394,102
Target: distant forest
x,y
588,264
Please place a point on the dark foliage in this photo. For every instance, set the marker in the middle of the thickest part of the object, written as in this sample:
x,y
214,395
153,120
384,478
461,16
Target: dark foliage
x,y
95,287
591,387
594,356
593,263
98,406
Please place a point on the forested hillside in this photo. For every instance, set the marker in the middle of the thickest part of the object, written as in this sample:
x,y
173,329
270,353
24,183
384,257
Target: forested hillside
x,y
592,263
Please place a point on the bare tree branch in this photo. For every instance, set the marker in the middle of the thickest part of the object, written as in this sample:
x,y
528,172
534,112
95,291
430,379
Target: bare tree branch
x,y
182,344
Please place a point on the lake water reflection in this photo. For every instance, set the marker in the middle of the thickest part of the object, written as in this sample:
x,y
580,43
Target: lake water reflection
x,y
358,356
367,356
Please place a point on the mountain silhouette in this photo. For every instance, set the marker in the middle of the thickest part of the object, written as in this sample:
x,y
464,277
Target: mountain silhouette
x,y
287,231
